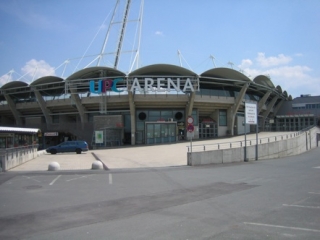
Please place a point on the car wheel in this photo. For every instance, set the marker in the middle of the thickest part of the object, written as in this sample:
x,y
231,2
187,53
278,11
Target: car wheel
x,y
78,151
53,151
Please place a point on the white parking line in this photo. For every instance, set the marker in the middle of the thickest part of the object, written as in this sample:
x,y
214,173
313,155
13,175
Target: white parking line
x,y
32,178
317,167
76,178
54,180
301,206
313,193
284,227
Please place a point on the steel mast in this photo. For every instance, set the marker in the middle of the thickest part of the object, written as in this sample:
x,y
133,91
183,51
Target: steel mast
x,y
122,32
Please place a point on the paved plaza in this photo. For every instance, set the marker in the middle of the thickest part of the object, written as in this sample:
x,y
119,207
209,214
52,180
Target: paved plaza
x,y
165,155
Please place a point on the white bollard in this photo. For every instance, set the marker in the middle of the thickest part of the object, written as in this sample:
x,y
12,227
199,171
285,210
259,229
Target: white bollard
x,y
97,165
53,166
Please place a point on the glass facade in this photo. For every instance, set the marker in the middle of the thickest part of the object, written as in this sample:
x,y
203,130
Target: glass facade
x,y
159,125
222,117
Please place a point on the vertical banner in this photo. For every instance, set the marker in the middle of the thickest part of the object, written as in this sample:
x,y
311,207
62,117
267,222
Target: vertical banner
x,y
99,136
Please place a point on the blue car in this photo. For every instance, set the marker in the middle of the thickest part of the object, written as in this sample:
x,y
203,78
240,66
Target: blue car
x,y
69,146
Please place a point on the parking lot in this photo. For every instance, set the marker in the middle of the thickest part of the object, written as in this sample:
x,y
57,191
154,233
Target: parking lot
x,y
267,199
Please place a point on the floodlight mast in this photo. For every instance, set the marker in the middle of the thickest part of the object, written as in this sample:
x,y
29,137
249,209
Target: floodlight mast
x,y
136,59
212,58
122,32
179,54
108,32
231,64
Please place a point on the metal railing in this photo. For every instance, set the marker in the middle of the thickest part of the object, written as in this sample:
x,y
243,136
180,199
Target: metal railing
x,y
242,143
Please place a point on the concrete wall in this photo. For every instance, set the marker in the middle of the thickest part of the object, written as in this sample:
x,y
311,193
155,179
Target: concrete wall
x,y
10,158
283,148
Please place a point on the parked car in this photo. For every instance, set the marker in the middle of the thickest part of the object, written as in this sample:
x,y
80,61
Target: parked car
x,y
69,146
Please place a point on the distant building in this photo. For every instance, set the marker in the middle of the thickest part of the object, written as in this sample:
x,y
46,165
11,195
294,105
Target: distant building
x,y
301,112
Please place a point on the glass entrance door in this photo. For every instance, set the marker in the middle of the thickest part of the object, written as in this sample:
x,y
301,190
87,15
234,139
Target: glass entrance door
x,y
161,132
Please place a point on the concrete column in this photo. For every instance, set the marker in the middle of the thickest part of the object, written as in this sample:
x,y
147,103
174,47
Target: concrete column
x,y
266,113
133,118
81,109
231,112
46,112
16,114
277,107
190,104
263,101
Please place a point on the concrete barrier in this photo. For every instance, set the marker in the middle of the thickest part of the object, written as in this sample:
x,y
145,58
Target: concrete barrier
x,y
12,157
54,166
303,142
97,165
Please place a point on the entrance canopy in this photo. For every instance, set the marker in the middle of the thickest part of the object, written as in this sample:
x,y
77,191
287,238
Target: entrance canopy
x,y
16,129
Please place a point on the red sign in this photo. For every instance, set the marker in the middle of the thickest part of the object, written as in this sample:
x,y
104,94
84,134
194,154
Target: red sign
x,y
190,128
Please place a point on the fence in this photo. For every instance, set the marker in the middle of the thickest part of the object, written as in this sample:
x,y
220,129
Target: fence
x,y
242,143
12,157
267,148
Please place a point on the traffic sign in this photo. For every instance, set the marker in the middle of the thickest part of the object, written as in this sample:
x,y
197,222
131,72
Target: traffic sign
x,y
190,128
190,120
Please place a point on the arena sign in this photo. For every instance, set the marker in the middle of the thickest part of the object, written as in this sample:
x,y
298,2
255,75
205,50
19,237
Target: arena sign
x,y
162,84
148,84
104,85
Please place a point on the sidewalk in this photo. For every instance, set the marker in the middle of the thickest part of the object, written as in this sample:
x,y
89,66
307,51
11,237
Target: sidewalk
x,y
165,155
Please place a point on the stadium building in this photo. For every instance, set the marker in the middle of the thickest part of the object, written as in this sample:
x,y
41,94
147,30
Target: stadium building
x,y
149,105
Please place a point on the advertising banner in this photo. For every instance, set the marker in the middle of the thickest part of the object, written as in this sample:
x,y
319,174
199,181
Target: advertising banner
x,y
99,136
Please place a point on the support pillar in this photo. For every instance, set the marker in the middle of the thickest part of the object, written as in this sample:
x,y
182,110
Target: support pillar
x,y
266,113
16,114
133,118
43,107
232,111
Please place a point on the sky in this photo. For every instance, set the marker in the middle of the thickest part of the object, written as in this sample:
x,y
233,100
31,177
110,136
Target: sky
x,y
280,39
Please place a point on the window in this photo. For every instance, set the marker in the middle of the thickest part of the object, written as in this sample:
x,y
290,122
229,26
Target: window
x,y
222,117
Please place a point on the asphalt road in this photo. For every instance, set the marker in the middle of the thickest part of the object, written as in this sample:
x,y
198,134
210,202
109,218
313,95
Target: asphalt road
x,y
267,199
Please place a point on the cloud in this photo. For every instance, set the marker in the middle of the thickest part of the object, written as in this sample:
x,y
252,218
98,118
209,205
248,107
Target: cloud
x,y
159,33
245,63
264,61
293,72
296,79
5,78
36,69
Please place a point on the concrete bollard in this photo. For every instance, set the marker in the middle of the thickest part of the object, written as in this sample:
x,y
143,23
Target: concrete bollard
x,y
97,165
53,166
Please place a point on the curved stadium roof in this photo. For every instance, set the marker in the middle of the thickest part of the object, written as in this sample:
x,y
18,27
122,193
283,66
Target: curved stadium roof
x,y
225,73
49,85
96,72
46,80
263,80
54,86
163,69
14,84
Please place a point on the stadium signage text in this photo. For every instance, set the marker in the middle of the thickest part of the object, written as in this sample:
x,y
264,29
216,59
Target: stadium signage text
x,y
104,85
160,84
